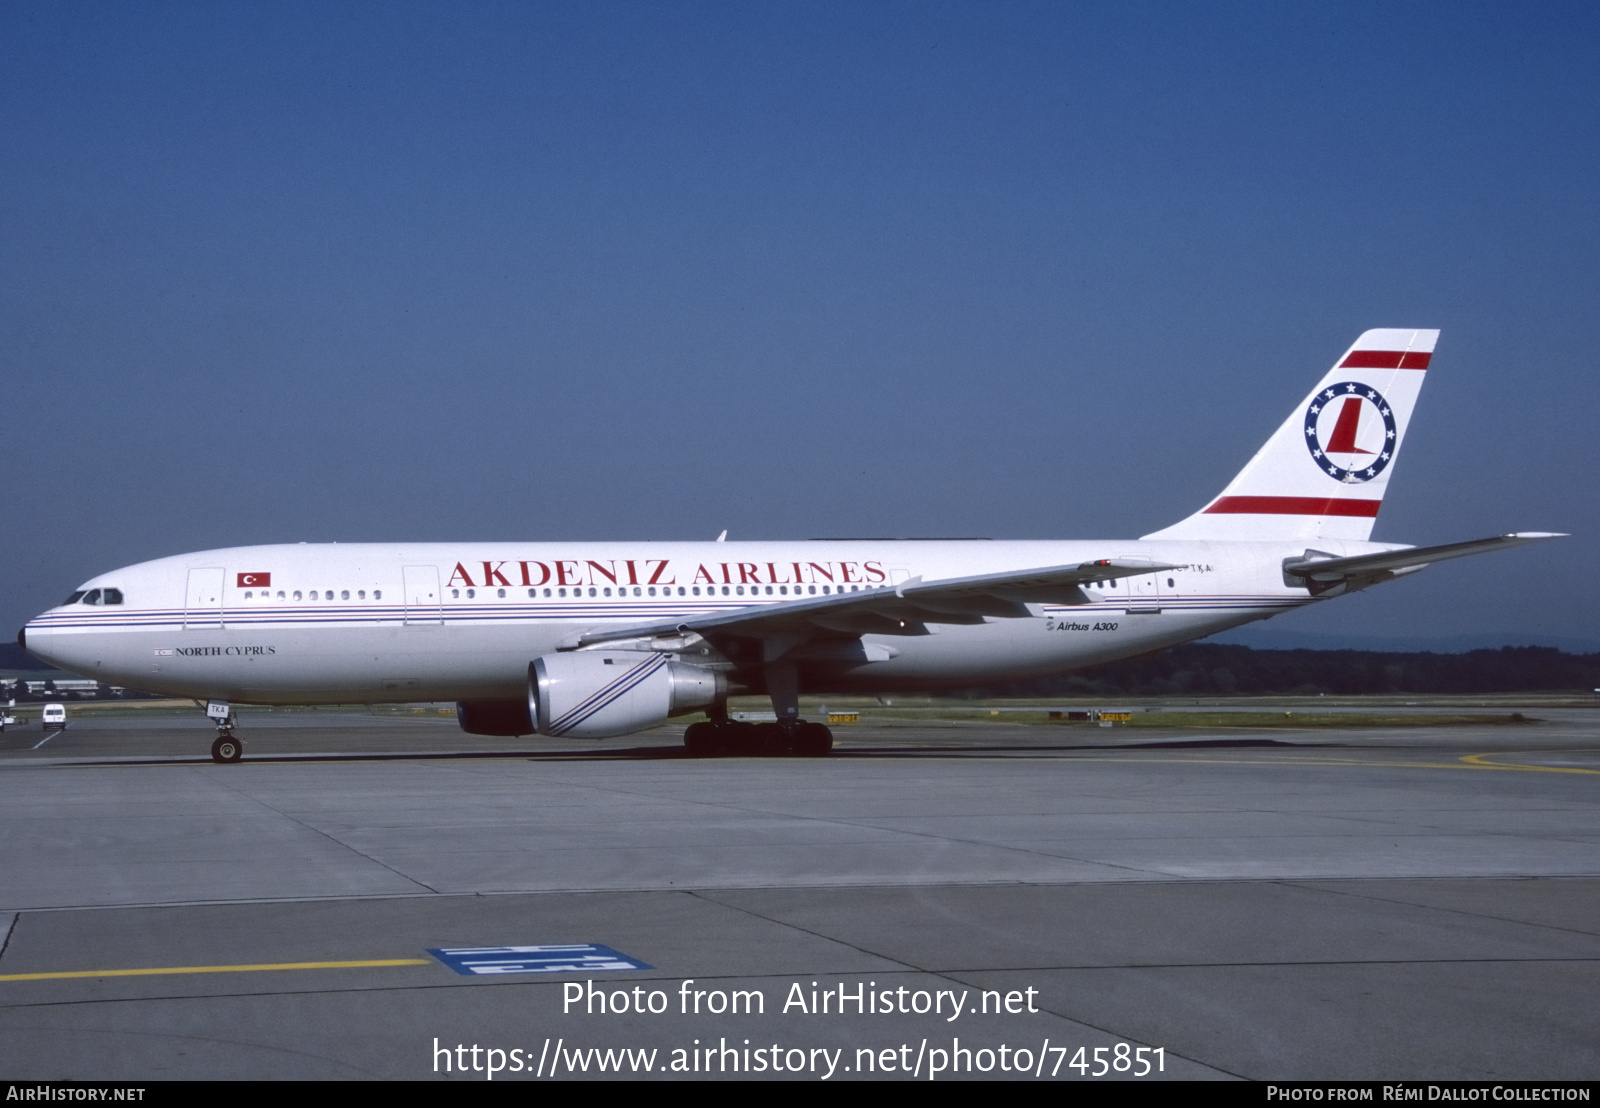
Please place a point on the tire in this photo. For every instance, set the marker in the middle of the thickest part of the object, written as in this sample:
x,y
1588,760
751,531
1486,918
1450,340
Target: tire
x,y
226,749
768,740
700,740
813,740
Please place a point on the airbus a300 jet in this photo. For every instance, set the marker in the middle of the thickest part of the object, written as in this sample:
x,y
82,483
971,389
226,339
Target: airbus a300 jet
x,y
594,640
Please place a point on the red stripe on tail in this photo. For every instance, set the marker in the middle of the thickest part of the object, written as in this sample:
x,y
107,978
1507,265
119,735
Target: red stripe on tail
x,y
1386,359
1294,506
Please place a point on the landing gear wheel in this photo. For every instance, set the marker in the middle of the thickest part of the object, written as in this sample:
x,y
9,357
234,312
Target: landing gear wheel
x,y
701,740
738,739
771,740
717,740
812,740
226,749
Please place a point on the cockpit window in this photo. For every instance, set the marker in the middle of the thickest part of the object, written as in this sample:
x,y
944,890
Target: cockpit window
x,y
92,597
113,596
74,598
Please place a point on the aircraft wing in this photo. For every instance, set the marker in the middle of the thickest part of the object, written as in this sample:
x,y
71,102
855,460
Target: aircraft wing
x,y
903,609
1331,570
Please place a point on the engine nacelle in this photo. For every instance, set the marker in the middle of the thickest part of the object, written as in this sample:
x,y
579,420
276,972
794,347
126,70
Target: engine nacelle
x,y
494,717
594,694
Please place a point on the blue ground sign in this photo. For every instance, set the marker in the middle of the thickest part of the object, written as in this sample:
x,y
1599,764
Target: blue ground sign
x,y
570,958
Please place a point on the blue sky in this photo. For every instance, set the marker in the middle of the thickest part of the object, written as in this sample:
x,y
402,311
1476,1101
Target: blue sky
x,y
367,272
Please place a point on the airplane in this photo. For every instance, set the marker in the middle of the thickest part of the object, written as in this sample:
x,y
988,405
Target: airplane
x,y
595,640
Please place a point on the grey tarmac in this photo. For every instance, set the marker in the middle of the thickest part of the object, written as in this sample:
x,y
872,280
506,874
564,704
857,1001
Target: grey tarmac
x,y
1416,903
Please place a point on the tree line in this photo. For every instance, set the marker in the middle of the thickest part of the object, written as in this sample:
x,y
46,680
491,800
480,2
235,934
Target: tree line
x,y
1209,669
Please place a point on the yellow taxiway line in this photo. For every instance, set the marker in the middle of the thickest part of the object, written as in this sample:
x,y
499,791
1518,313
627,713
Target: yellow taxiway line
x,y
1477,760
1468,761
215,969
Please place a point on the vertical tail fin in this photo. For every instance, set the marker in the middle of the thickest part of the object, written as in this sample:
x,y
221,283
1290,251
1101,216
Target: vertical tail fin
x,y
1324,472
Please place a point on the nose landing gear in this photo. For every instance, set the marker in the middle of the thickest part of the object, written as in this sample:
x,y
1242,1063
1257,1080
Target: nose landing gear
x,y
227,748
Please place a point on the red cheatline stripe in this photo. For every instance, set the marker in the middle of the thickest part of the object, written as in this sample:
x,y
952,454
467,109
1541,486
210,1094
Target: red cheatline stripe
x,y
1386,359
1294,506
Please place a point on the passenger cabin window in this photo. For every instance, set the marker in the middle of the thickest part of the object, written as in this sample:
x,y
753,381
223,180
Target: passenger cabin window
x,y
377,594
344,594
297,594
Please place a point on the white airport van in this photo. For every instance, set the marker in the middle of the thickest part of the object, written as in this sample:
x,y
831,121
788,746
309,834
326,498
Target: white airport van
x,y
54,717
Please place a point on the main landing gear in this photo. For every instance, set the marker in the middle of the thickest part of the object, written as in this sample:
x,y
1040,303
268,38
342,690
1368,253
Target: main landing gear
x,y
771,740
227,747
790,736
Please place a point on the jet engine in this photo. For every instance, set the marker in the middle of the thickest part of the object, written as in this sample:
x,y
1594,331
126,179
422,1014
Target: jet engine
x,y
594,694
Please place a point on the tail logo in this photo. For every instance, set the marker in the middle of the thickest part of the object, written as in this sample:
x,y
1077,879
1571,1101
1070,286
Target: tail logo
x,y
1350,432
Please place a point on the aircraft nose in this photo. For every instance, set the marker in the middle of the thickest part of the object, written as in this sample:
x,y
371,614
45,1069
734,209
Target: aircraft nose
x,y
35,640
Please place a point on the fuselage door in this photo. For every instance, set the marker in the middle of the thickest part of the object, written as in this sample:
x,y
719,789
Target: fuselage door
x,y
423,599
202,604
1141,594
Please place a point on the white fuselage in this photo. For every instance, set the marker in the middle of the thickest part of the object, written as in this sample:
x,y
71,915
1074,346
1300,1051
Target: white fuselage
x,y
370,623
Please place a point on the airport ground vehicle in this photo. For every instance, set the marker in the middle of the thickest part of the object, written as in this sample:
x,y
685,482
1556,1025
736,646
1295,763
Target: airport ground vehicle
x,y
604,639
54,717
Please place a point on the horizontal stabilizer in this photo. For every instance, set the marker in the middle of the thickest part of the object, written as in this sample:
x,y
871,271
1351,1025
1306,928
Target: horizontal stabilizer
x,y
1331,570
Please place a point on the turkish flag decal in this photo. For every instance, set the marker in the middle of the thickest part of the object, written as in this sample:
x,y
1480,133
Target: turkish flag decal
x,y
254,580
